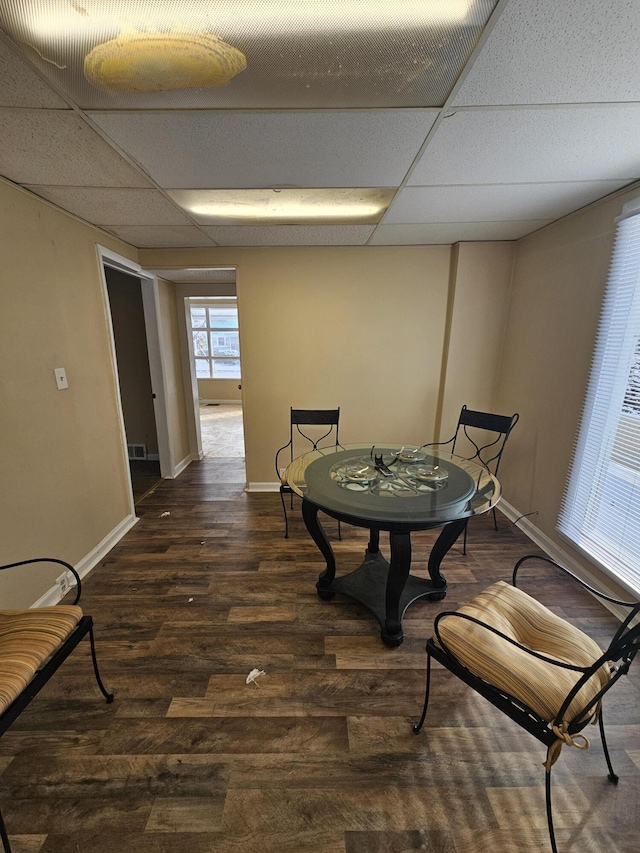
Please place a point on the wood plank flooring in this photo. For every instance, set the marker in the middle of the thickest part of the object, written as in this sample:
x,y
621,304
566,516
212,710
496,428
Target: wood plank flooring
x,y
316,756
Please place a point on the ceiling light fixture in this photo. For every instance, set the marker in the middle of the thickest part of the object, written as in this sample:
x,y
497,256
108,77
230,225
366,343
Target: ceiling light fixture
x,y
278,205
162,62
69,18
288,211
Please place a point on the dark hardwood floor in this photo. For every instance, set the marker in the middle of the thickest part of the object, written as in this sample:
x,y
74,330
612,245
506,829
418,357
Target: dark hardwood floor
x,y
145,475
316,756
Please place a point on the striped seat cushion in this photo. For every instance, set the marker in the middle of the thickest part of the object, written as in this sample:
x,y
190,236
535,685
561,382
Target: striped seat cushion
x,y
28,638
541,686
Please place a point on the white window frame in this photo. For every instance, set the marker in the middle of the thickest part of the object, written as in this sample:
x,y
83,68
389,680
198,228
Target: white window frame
x,y
206,303
600,512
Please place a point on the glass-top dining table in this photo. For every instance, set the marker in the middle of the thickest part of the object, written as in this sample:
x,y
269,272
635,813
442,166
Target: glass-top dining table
x,y
392,489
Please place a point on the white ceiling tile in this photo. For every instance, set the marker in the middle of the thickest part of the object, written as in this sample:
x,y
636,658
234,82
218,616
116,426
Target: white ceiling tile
x,y
289,235
103,206
520,145
453,232
546,120
574,51
234,150
493,203
21,86
58,148
161,236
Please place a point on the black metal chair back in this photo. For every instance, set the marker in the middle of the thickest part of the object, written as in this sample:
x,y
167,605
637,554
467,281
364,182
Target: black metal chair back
x,y
300,422
474,426
488,453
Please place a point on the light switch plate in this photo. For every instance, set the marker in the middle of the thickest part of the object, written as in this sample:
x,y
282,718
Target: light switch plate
x,y
61,378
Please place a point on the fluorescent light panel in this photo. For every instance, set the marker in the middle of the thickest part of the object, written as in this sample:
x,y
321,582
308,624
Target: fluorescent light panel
x,y
285,206
69,18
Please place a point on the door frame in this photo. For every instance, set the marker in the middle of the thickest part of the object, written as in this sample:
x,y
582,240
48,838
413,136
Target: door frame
x,y
187,356
150,303
191,381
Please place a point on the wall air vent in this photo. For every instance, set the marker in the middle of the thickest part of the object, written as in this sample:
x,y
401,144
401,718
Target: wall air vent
x,y
137,451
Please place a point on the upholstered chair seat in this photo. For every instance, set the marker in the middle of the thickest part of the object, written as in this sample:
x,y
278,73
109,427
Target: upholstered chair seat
x,y
538,683
28,639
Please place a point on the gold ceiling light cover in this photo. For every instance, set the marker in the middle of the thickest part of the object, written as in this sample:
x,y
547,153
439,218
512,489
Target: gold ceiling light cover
x,y
162,62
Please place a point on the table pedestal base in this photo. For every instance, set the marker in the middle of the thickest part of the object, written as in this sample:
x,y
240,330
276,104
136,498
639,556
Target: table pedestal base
x,y
384,588
368,585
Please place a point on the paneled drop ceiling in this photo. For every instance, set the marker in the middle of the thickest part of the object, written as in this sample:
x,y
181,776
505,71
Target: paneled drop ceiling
x,y
343,122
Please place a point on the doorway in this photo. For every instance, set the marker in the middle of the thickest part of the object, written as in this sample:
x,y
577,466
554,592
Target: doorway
x,y
215,360
126,306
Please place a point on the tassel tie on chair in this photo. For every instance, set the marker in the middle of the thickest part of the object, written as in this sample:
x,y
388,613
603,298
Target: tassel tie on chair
x,y
562,736
580,741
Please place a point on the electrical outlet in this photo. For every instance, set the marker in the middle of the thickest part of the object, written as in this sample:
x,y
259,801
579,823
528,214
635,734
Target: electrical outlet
x,y
63,584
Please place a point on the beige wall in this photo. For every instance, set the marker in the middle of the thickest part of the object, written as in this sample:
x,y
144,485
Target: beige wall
x,y
362,328
334,326
220,389
341,327
479,300
559,282
64,474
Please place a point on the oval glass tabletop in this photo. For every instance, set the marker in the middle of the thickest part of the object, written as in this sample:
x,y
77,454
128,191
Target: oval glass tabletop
x,y
393,484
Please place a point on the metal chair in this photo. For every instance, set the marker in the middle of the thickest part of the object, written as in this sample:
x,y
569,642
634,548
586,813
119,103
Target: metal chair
x,y
300,425
474,426
33,644
545,674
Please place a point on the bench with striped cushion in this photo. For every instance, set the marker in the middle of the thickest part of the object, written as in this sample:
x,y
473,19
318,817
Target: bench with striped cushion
x,y
28,640
33,644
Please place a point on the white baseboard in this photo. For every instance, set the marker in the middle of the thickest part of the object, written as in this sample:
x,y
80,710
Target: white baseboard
x,y
153,457
559,555
179,468
220,402
84,566
263,487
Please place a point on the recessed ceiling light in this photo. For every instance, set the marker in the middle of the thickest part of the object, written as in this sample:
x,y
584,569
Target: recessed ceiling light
x,y
285,206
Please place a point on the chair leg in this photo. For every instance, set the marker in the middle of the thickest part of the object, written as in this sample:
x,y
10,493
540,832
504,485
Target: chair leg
x,y
418,726
612,776
339,531
547,786
464,539
3,835
495,519
108,696
286,520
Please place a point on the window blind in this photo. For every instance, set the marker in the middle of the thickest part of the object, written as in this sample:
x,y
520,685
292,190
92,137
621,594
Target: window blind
x,y
600,511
